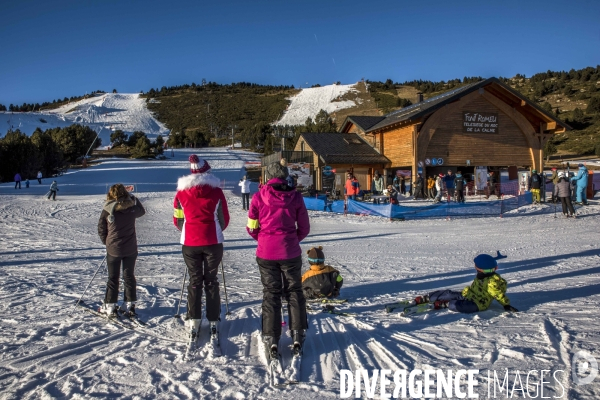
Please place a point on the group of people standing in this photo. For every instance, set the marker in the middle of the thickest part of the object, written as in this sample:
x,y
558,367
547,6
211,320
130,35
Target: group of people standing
x,y
277,220
18,180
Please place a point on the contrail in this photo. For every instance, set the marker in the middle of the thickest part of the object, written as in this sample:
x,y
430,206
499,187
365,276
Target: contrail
x,y
333,60
316,38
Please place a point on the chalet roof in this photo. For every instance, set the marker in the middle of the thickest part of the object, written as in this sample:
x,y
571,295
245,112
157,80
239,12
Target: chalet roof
x,y
342,148
432,104
364,122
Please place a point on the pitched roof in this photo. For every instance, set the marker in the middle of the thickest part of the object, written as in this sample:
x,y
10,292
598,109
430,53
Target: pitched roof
x,y
432,104
364,122
342,148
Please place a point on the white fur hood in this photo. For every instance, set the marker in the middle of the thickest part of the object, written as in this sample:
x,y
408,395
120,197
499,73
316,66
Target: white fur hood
x,y
192,180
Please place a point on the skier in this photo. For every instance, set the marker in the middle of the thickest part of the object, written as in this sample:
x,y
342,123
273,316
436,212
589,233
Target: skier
x,y
290,179
26,183
459,184
245,185
53,190
116,228
554,178
377,184
278,220
39,177
439,186
17,180
562,190
393,194
535,184
487,286
449,181
430,187
582,181
398,183
492,185
418,191
352,187
523,184
320,281
201,214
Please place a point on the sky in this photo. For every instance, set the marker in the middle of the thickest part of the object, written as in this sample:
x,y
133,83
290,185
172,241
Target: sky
x,y
65,48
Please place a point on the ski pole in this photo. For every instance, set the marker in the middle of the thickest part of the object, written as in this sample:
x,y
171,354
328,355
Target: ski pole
x,y
225,289
86,288
181,295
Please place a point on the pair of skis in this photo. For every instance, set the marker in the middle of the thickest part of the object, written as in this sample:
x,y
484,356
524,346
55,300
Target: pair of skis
x,y
409,307
280,377
118,319
192,347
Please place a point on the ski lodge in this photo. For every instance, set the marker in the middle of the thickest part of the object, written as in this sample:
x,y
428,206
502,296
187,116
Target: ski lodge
x,y
483,124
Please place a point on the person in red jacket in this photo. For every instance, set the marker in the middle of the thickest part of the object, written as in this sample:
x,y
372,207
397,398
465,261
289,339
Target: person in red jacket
x,y
352,187
278,221
201,214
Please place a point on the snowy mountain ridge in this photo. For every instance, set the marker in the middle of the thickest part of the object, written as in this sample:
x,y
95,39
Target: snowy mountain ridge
x,y
104,113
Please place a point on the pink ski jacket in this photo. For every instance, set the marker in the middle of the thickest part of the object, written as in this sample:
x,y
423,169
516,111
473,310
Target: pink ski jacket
x,y
278,220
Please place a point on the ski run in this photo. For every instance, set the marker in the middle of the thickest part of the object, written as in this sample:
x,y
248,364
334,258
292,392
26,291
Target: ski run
x,y
49,251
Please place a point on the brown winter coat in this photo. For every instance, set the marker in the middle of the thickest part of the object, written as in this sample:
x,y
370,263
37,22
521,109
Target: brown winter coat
x,y
116,226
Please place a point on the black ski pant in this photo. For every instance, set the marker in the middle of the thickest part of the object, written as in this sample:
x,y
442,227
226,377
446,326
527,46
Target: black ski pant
x,y
567,205
282,278
460,196
203,267
52,194
113,264
18,183
246,201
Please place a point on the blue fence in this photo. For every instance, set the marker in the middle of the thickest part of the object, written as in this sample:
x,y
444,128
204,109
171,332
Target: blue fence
x,y
439,210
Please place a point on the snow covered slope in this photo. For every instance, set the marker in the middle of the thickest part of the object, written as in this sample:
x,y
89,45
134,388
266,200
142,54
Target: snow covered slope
x,y
50,250
309,102
104,113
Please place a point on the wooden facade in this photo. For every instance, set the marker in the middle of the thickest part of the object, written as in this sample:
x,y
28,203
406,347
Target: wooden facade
x,y
439,130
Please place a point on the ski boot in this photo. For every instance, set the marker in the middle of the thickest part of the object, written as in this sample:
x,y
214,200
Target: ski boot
x,y
129,311
271,343
193,329
438,305
109,309
422,299
298,337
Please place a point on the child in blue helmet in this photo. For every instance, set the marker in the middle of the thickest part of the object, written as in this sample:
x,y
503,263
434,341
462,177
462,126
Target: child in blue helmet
x,y
487,286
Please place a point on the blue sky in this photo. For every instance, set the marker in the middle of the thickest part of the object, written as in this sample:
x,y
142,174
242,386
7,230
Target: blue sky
x,y
56,49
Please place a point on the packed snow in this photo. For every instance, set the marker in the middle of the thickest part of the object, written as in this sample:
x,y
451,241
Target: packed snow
x,y
104,113
50,251
308,102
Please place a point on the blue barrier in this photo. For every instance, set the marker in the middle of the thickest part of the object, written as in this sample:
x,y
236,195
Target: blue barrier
x,y
439,210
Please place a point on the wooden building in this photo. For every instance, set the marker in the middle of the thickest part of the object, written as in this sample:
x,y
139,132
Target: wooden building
x,y
341,152
481,124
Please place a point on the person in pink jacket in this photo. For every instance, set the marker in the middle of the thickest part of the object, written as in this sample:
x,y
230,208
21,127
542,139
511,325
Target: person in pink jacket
x,y
278,220
201,214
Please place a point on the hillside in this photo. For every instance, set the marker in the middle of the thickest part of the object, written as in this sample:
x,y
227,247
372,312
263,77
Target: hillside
x,y
103,112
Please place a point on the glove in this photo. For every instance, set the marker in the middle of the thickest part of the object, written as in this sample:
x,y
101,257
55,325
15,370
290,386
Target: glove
x,y
510,308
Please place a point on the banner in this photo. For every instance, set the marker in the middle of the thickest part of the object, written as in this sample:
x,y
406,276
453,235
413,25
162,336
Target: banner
x,y
328,179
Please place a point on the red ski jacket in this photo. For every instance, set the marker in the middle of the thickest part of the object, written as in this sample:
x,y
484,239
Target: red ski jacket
x,y
200,210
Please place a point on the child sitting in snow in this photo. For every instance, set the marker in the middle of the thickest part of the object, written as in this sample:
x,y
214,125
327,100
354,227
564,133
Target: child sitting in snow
x,y
321,280
487,286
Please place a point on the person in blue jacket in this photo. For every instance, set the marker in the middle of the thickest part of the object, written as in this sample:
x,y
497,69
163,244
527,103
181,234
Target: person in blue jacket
x,y
582,181
449,180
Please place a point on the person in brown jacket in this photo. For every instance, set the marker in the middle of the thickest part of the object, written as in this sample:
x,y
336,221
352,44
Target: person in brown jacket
x,y
116,229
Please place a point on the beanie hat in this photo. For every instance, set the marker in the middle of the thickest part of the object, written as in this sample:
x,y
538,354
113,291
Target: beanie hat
x,y
561,174
553,169
198,165
283,162
315,255
276,170
580,165
441,175
485,263
533,171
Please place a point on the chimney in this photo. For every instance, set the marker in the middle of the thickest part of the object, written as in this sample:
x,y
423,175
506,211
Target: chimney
x,y
419,97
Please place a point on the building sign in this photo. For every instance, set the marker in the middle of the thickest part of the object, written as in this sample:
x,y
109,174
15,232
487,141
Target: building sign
x,y
475,122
